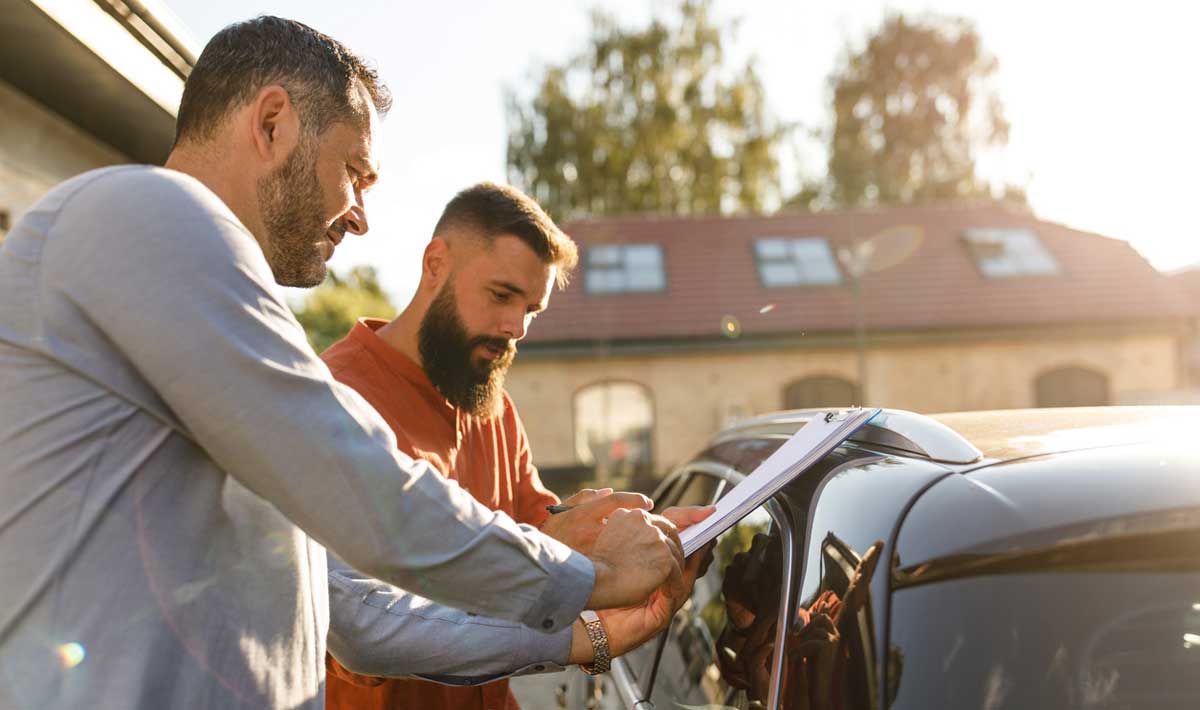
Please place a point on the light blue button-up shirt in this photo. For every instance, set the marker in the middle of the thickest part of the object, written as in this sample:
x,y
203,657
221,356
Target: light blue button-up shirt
x,y
173,457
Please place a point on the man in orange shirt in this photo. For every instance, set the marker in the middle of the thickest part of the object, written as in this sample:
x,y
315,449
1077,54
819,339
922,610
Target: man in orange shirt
x,y
436,375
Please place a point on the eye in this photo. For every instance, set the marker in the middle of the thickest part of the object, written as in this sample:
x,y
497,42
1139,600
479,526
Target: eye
x,y
500,296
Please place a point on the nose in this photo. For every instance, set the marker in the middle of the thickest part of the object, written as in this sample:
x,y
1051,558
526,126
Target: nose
x,y
356,220
515,326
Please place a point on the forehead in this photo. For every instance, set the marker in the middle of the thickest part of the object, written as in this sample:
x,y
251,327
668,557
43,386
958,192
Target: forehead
x,y
508,259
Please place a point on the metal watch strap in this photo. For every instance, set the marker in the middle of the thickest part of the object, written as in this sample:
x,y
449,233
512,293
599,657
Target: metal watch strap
x,y
599,638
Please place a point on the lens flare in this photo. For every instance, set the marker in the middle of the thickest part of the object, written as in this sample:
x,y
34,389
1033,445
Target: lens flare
x,y
766,309
71,654
731,327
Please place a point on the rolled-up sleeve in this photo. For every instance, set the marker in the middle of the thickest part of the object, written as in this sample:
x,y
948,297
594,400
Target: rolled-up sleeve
x,y
377,631
187,297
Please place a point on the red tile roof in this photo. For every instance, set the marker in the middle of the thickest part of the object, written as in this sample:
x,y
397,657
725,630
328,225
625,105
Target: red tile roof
x,y
711,274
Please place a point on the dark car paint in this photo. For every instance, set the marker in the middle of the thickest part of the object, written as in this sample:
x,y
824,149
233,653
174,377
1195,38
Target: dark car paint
x,y
1037,473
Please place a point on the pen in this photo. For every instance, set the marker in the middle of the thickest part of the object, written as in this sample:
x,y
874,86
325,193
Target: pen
x,y
556,509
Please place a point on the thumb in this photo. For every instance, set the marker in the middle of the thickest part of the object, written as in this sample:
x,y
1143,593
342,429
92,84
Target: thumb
x,y
682,517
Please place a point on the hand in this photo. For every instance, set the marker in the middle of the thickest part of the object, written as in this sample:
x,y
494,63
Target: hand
x,y
579,527
631,626
634,554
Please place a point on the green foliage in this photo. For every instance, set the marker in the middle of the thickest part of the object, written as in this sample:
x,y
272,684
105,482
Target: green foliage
x,y
330,310
911,111
646,120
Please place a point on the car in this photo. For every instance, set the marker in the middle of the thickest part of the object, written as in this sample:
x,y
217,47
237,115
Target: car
x,y
1031,559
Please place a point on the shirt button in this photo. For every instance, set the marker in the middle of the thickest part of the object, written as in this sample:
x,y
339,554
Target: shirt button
x,y
548,623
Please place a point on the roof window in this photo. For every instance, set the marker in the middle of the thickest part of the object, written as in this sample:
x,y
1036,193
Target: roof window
x,y
624,268
1004,253
797,261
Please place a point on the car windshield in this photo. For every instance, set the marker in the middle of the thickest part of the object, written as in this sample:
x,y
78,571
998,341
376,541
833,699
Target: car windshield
x,y
1048,641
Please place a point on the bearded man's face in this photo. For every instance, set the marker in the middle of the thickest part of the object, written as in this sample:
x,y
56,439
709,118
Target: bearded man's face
x,y
471,383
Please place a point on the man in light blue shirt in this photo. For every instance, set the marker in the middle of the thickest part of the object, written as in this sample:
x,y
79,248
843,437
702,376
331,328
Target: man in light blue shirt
x,y
173,457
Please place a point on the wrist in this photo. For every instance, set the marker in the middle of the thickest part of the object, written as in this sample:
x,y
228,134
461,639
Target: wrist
x,y
600,589
581,645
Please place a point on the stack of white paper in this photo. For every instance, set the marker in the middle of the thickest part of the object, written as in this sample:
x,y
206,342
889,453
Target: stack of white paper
x,y
818,437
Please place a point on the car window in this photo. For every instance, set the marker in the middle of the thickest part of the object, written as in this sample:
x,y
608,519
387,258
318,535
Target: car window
x,y
831,643
719,647
1048,641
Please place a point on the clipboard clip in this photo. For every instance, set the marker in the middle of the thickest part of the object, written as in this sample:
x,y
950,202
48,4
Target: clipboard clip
x,y
840,416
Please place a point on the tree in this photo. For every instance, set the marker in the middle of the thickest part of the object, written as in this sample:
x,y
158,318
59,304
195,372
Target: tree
x,y
646,120
330,310
912,109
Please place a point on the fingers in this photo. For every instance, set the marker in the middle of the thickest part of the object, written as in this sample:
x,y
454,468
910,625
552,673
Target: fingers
x,y
683,517
668,529
601,506
586,495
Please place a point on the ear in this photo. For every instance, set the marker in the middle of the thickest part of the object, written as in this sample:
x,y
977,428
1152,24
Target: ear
x,y
274,124
435,264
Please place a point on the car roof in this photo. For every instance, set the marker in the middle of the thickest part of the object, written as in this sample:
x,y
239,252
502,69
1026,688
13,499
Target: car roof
x,y
1005,435
966,440
1013,477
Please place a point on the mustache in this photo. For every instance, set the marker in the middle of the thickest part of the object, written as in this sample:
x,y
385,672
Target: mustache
x,y
504,345
338,228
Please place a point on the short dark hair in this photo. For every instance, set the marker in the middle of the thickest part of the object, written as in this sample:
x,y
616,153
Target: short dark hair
x,y
489,210
320,74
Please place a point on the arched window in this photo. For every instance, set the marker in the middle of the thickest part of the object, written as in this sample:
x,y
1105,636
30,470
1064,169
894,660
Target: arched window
x,y
823,391
1071,387
614,425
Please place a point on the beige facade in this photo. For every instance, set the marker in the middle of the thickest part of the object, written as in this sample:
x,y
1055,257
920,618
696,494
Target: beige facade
x,y
39,149
695,394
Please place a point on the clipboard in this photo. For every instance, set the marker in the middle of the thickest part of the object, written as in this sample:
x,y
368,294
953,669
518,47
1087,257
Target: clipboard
x,y
820,435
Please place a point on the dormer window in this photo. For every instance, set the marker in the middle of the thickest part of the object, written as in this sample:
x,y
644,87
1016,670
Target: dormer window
x,y
1004,253
796,261
624,268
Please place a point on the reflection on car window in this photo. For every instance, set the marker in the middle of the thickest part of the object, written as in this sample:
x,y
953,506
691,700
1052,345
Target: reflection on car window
x,y
691,671
1049,641
830,647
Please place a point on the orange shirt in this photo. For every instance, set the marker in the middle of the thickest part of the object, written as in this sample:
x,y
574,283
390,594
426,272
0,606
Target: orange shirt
x,y
489,459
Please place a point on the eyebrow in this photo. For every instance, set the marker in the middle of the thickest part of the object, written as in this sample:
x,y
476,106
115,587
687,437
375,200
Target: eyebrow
x,y
510,286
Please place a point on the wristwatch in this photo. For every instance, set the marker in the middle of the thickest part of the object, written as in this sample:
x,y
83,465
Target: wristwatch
x,y
601,661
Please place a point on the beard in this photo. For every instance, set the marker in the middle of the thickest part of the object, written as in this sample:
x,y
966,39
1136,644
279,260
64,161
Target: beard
x,y
446,352
290,199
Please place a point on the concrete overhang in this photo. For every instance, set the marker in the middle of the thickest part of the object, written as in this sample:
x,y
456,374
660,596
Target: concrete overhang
x,y
76,58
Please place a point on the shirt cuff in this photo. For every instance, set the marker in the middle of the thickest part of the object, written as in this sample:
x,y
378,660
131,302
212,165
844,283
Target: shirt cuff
x,y
566,592
537,653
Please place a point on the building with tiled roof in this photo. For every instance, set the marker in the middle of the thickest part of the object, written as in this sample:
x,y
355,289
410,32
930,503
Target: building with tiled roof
x,y
673,327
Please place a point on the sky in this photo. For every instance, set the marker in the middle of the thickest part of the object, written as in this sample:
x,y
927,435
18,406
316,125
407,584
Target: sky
x,y
1101,97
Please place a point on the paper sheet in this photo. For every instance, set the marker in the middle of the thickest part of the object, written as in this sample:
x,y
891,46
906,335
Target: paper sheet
x,y
808,445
